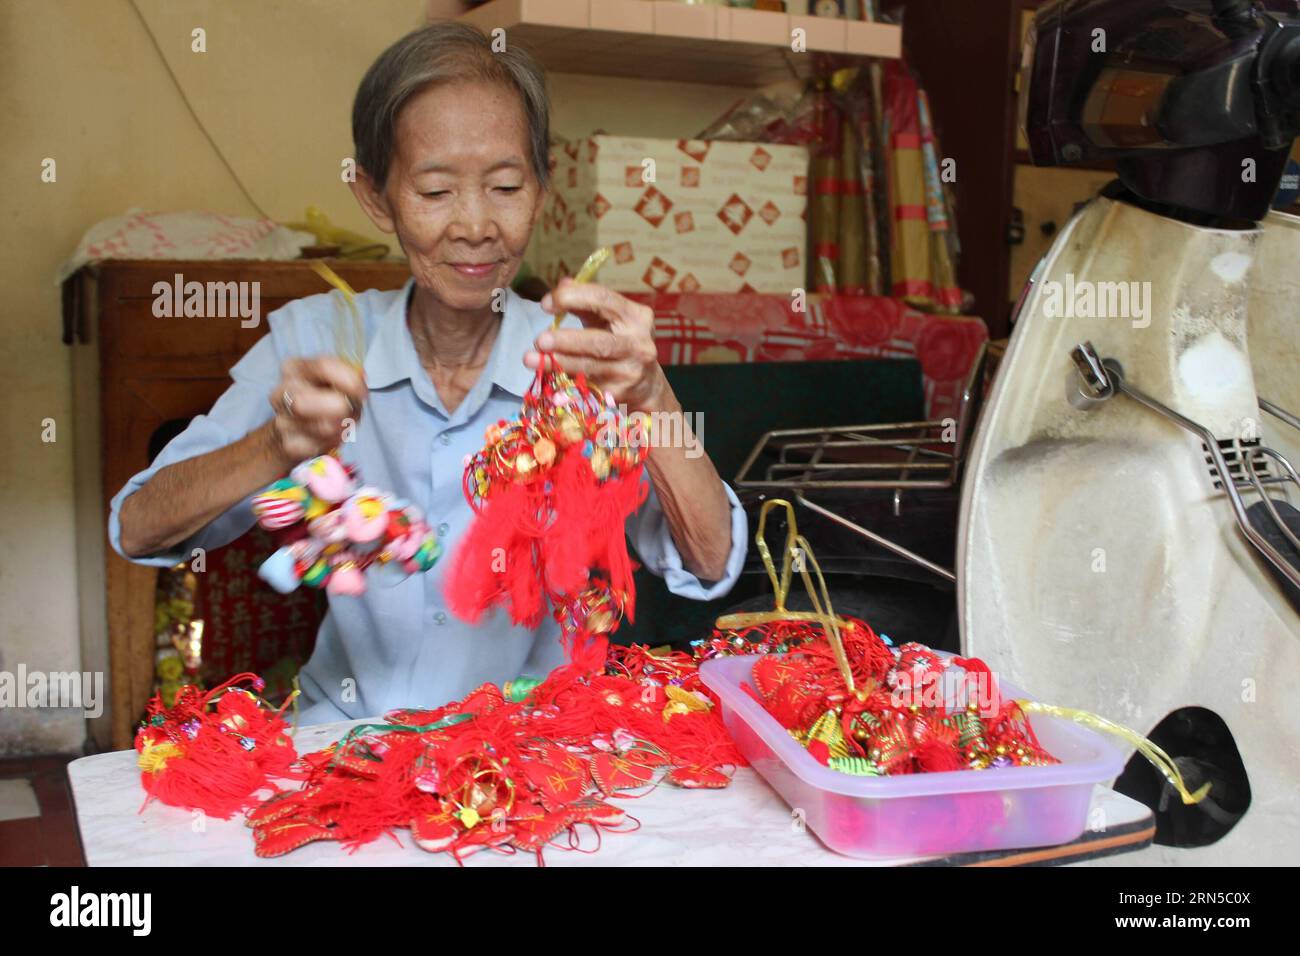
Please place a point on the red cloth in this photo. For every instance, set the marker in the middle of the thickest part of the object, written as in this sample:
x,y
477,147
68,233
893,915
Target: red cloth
x,y
701,328
247,625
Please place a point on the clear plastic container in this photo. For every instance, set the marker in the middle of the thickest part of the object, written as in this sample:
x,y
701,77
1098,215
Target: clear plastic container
x,y
923,814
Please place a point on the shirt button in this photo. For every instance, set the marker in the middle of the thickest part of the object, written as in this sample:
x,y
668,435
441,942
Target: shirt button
x,y
443,529
445,438
440,618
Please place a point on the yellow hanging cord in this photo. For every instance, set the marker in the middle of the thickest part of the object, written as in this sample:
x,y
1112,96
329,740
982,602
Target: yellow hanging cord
x,y
828,619
293,699
586,274
349,331
823,613
1158,758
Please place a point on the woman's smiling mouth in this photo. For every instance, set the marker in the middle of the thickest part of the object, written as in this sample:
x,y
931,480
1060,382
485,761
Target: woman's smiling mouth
x,y
475,270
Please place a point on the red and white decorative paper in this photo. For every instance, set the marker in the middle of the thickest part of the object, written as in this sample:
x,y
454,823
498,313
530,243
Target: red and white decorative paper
x,y
680,215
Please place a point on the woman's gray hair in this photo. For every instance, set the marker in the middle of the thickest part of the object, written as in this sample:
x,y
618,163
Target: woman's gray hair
x,y
446,52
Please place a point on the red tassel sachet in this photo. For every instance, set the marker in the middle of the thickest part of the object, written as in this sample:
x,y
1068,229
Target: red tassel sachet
x,y
517,768
551,492
213,751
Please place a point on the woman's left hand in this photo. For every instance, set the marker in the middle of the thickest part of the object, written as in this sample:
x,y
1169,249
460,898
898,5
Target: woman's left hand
x,y
615,349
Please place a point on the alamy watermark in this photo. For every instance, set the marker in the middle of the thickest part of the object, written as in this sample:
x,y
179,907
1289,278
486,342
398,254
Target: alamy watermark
x,y
948,690
208,300
82,690
1084,299
74,908
653,430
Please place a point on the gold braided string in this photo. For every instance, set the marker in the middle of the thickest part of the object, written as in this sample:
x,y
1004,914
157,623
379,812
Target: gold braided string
x,y
1157,757
829,620
823,613
293,697
586,274
349,331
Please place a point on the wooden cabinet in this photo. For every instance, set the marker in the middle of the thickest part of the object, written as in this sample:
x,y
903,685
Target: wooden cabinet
x,y
133,372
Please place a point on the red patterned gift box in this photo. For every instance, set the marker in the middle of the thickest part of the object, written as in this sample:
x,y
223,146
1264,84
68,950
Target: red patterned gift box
x,y
699,329
680,215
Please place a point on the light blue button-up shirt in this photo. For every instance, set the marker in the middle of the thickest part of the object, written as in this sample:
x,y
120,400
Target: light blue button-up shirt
x,y
398,645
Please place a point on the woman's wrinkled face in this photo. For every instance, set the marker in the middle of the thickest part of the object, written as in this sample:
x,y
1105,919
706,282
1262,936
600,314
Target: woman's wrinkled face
x,y
461,195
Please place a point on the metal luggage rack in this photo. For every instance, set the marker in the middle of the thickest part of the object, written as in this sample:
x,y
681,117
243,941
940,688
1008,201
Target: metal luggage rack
x,y
1248,464
902,455
897,457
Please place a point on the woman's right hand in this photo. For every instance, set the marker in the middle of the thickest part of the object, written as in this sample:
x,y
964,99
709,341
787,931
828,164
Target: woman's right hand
x,y
314,403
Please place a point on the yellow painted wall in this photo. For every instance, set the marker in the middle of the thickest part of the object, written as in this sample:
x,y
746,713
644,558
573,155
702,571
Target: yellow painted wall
x,y
82,83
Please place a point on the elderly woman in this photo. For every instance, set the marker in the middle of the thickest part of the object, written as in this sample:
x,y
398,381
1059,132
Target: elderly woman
x,y
451,147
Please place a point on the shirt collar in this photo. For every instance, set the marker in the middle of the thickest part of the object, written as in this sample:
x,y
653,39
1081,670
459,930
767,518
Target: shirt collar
x,y
392,358
505,366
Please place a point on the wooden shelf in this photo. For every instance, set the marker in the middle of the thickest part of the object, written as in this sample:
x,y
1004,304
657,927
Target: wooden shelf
x,y
667,40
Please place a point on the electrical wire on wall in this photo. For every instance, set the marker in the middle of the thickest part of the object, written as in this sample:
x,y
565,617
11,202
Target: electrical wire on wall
x,y
190,106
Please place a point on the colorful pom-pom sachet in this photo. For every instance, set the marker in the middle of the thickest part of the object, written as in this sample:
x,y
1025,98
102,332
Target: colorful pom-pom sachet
x,y
335,530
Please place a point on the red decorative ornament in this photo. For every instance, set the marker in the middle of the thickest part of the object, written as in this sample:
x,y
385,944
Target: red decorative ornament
x,y
513,769
213,751
551,492
899,716
774,637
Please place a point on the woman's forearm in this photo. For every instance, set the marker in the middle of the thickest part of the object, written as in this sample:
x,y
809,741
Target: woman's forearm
x,y
314,402
184,498
694,502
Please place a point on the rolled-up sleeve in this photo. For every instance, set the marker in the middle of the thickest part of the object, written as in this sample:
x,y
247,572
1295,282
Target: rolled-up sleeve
x,y
653,541
244,406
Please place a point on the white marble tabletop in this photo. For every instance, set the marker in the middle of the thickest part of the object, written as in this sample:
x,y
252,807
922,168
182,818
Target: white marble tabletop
x,y
746,824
